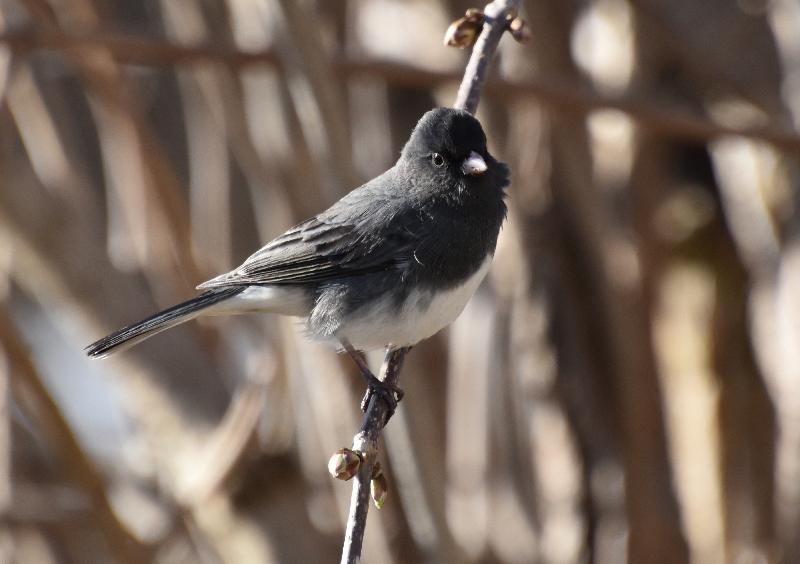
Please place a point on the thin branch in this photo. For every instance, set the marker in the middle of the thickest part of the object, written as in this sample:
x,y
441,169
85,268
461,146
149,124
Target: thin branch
x,y
494,24
562,97
133,49
366,441
226,446
304,54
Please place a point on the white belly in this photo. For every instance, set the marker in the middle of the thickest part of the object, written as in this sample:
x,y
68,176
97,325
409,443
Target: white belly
x,y
381,325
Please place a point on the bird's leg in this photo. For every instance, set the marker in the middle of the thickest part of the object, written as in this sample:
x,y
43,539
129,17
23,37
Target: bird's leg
x,y
389,393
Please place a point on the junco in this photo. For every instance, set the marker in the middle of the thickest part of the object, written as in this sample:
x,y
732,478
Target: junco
x,y
390,264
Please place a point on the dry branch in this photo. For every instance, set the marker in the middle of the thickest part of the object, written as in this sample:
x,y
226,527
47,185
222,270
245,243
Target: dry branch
x,y
31,393
494,24
366,443
563,97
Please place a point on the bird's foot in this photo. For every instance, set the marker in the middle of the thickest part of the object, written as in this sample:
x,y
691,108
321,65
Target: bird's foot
x,y
391,395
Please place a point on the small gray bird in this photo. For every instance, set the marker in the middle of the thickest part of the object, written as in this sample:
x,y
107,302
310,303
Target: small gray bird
x,y
388,265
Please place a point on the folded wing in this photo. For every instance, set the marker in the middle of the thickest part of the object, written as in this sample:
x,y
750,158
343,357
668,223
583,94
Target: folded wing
x,y
319,250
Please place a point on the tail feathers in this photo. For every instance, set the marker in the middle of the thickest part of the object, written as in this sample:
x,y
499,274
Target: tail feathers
x,y
138,332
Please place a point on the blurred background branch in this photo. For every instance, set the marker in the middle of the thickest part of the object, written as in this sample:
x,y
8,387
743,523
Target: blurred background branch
x,y
558,95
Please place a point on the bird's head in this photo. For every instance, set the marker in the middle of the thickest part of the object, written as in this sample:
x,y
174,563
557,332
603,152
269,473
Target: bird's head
x,y
448,148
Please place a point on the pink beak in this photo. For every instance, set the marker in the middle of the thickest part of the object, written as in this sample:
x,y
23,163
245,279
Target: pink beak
x,y
474,164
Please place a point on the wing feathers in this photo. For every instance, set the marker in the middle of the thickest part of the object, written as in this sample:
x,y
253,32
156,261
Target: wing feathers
x,y
316,251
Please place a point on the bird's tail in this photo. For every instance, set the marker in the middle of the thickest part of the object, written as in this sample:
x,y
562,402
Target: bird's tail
x,y
138,332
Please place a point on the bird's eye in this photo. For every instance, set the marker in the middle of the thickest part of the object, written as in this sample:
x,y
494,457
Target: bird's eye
x,y
437,159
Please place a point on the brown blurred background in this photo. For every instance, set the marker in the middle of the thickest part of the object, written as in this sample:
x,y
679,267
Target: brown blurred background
x,y
625,387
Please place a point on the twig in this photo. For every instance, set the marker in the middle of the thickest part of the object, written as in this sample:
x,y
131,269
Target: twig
x,y
366,441
226,447
563,97
494,24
